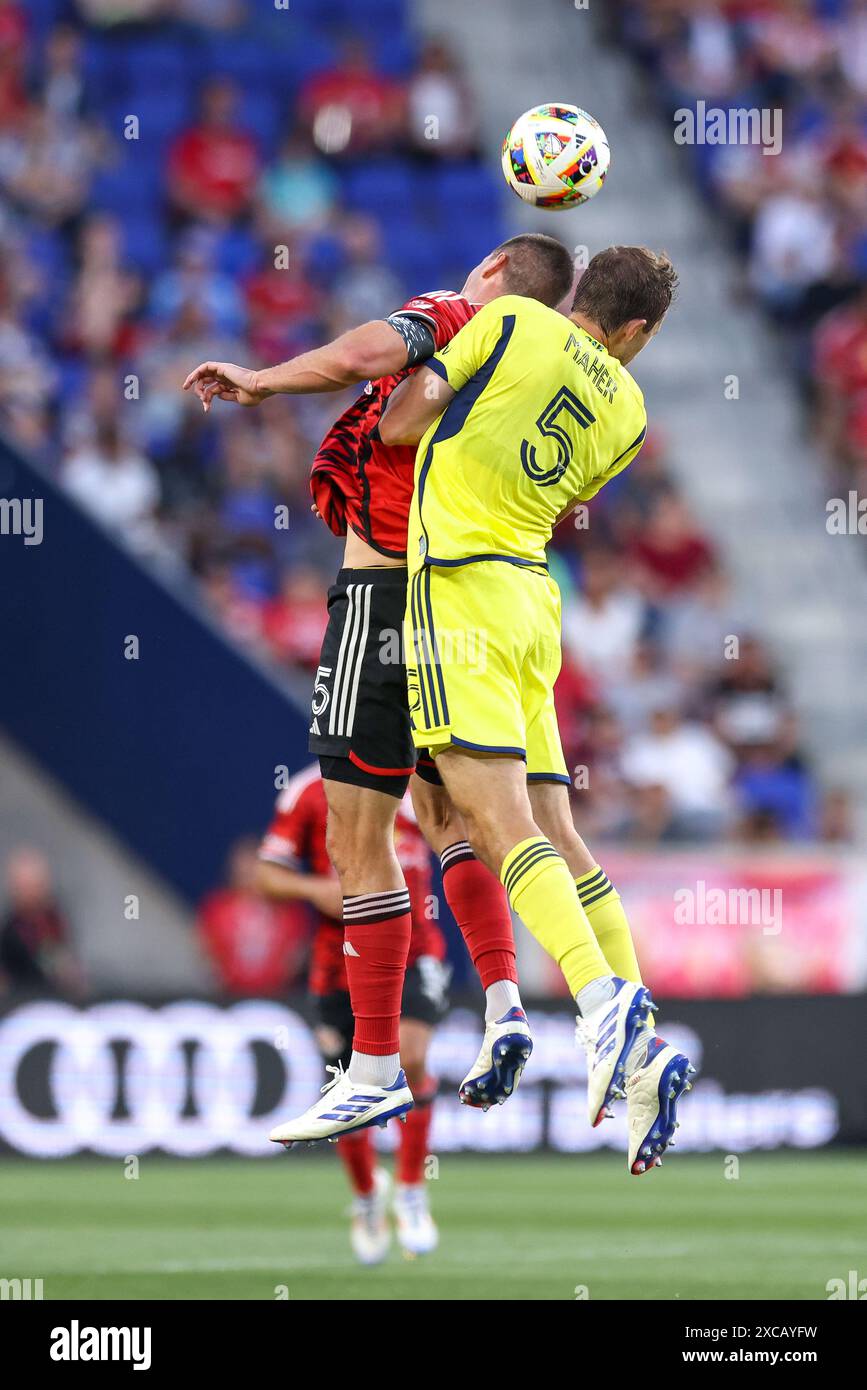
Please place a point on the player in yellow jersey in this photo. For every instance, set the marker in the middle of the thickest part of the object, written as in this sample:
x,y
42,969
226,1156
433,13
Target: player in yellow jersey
x,y
524,415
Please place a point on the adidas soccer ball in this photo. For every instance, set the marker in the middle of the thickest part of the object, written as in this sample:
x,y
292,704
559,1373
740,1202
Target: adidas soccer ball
x,y
555,156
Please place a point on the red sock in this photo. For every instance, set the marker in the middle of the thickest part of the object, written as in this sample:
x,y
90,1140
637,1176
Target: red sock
x,y
376,932
356,1151
414,1138
481,909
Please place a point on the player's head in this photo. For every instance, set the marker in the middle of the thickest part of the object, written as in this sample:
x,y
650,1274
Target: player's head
x,y
623,296
531,264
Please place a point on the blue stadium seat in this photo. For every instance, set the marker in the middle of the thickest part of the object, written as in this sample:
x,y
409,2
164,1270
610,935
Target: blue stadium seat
x,y
134,184
369,16
462,187
145,241
157,61
162,111
263,116
383,187
238,252
247,60
394,53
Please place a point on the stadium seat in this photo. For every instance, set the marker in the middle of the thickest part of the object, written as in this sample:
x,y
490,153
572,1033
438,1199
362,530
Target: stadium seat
x,y
460,188
395,54
145,242
383,187
238,252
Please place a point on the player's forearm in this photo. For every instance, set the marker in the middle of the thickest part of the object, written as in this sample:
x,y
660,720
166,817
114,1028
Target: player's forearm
x,y
289,885
362,354
413,407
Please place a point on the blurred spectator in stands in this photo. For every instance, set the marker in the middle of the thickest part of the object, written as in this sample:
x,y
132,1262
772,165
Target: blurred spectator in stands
x,y
837,818
690,765
794,255
352,108
195,277
647,685
794,40
602,803
13,60
299,192
602,624
284,310
840,378
773,782
106,13
701,56
851,37
188,337
27,375
694,627
35,947
745,698
61,86
255,947
240,615
365,288
46,165
117,485
295,621
210,14
441,115
670,554
104,295
213,167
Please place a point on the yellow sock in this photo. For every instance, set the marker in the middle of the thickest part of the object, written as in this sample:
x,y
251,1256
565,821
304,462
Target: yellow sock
x,y
542,891
601,903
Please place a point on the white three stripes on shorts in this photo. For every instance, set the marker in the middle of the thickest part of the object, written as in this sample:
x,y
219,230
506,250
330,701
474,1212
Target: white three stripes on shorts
x,y
350,659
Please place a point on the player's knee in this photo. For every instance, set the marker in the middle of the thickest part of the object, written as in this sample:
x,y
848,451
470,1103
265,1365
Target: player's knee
x,y
438,820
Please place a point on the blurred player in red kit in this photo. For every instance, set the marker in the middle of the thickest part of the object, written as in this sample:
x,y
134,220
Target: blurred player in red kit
x,y
294,865
360,723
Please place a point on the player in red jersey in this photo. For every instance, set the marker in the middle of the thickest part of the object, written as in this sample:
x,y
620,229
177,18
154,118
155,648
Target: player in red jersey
x,y
294,865
360,727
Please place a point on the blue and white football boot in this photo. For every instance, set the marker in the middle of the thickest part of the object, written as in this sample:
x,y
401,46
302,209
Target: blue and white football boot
x,y
652,1093
346,1105
614,1036
495,1074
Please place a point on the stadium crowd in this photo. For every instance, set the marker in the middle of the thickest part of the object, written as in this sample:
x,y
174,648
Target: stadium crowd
x,y
799,216
148,223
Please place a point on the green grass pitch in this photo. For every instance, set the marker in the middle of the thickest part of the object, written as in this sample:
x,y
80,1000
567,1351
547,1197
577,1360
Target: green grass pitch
x,y
511,1228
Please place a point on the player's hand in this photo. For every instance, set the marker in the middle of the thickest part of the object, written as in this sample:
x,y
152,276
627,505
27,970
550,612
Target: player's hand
x,y
226,382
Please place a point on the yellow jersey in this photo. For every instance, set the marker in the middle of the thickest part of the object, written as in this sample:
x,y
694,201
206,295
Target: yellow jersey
x,y
543,417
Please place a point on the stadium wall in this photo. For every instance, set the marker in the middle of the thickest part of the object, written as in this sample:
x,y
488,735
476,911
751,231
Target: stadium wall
x,y
191,1078
171,739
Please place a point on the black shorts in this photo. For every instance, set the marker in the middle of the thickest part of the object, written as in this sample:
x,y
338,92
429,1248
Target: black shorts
x,y
425,999
360,728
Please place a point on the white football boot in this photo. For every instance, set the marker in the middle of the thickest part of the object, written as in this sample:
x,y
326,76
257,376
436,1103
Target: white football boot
x,y
497,1070
652,1093
416,1228
346,1105
612,1039
370,1232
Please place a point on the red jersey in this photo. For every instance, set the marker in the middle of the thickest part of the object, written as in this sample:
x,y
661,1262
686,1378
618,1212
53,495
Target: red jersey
x,y
374,482
256,947
296,840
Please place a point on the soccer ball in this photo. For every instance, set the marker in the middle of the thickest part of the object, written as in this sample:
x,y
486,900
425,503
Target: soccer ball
x,y
556,156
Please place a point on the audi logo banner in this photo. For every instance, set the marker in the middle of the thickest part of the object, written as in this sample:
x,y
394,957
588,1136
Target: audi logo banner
x,y
191,1078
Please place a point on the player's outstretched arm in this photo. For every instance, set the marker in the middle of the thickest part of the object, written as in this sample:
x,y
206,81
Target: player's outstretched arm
x,y
414,406
281,884
365,353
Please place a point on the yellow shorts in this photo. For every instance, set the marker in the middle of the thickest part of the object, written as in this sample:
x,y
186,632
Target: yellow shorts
x,y
483,652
